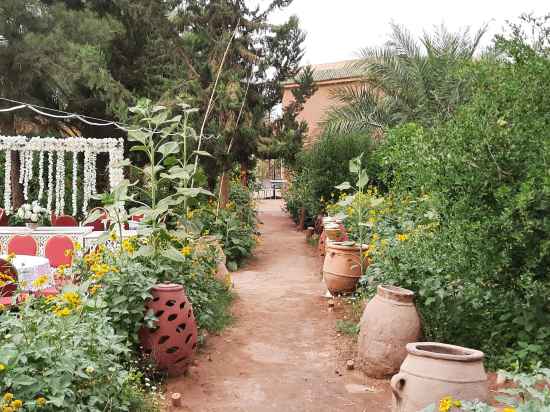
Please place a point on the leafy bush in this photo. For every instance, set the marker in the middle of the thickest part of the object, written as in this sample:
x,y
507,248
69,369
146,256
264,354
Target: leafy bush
x,y
322,167
63,353
234,225
481,268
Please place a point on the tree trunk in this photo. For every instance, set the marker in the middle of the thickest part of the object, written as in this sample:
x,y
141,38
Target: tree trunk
x,y
244,175
224,190
302,219
17,198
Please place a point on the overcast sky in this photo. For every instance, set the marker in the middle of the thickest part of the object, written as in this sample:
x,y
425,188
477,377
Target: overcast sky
x,y
337,29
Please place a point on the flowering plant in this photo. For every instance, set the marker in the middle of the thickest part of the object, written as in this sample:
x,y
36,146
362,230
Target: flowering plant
x,y
31,213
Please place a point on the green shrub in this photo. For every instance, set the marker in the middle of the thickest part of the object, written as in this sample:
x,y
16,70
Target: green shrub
x,y
482,274
63,354
320,168
234,225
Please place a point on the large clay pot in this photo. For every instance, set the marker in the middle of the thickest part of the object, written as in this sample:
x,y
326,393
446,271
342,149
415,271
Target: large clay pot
x,y
172,342
389,322
432,371
342,267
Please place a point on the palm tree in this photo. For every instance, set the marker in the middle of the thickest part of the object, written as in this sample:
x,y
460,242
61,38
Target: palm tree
x,y
405,80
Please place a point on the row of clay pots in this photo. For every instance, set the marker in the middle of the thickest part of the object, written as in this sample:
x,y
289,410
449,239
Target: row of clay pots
x,y
342,260
342,267
427,371
390,331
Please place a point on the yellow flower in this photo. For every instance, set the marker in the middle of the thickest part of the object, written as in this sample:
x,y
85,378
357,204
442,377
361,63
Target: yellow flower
x,y
40,281
402,237
7,409
72,298
40,402
69,252
17,404
2,367
186,250
445,404
190,214
8,396
6,278
99,269
11,256
113,236
128,246
457,404
509,410
62,312
94,289
77,246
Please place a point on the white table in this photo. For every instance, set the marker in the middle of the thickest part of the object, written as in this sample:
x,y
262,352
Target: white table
x,y
30,268
42,233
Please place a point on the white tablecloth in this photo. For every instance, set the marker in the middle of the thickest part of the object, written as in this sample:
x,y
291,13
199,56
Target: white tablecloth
x,y
31,267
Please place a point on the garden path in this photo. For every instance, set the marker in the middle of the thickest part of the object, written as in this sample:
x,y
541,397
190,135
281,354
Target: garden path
x,y
281,353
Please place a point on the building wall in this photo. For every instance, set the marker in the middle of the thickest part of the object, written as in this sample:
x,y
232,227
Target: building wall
x,y
317,105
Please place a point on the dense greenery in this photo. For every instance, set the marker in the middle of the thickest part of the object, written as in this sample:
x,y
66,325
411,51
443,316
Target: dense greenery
x,y
464,222
320,168
406,80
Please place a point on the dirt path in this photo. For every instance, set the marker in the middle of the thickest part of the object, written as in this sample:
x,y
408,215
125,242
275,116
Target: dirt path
x,y
281,352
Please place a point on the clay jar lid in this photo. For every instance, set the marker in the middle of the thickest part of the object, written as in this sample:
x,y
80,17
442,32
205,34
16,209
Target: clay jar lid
x,y
396,294
167,287
436,350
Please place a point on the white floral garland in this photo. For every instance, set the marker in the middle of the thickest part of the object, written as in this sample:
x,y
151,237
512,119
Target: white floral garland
x,y
41,176
53,146
7,182
75,177
50,181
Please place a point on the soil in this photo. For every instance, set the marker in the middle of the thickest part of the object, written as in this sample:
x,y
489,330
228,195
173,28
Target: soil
x,y
283,352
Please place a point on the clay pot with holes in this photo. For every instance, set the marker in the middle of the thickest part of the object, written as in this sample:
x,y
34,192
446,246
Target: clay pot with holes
x,y
342,267
432,371
172,341
389,322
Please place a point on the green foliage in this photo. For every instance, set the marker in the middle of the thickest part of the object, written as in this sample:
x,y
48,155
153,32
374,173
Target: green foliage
x,y
288,132
320,168
406,80
347,327
234,225
73,360
480,262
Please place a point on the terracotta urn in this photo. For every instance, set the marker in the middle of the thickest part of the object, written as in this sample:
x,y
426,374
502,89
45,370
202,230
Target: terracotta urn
x,y
342,267
432,371
173,340
389,322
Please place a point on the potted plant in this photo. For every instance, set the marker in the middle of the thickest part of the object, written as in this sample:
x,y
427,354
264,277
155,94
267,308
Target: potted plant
x,y
32,214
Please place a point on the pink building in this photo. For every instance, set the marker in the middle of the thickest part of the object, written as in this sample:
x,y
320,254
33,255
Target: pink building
x,y
328,77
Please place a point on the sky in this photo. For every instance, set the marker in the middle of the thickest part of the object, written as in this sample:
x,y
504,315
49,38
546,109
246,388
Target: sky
x,y
338,29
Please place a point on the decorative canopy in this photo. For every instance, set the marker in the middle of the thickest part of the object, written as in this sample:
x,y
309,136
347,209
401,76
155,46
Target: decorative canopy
x,y
55,149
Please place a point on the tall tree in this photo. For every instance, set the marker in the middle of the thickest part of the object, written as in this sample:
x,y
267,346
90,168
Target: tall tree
x,y
254,57
406,80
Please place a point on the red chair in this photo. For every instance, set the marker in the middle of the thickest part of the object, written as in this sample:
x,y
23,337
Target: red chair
x,y
3,218
98,225
64,220
23,245
56,248
137,218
